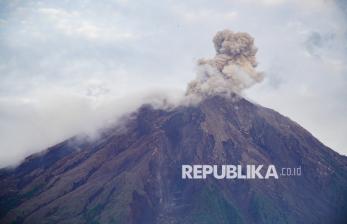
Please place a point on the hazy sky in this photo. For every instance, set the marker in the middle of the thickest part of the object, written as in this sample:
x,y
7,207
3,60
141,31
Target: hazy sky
x,y
69,66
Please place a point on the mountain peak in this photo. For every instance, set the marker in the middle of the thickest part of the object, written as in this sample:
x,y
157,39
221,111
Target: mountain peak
x,y
134,175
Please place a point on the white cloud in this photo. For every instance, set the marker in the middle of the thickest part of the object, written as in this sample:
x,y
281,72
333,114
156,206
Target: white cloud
x,y
74,59
73,23
204,15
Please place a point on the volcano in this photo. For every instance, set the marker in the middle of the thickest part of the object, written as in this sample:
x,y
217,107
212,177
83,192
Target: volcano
x,y
133,174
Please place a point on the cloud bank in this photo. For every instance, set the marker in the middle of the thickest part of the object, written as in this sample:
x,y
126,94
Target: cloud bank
x,y
62,63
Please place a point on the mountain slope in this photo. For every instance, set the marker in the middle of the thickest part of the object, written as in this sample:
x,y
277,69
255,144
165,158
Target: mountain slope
x,y
134,175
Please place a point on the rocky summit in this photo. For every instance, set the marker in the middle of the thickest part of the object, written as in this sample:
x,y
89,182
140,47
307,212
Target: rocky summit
x,y
133,174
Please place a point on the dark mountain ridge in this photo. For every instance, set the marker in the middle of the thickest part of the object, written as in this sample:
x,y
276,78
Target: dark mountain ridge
x,y
134,175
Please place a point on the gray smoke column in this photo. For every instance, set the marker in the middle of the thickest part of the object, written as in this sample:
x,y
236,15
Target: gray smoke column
x,y
231,70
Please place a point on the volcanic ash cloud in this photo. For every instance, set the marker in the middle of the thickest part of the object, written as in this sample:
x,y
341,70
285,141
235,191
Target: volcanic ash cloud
x,y
231,70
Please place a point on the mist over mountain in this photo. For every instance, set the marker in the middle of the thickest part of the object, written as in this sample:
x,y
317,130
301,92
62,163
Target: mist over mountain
x,y
66,66
133,174
131,170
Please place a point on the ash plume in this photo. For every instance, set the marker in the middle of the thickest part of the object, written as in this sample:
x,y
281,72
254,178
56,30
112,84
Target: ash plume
x,y
231,70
